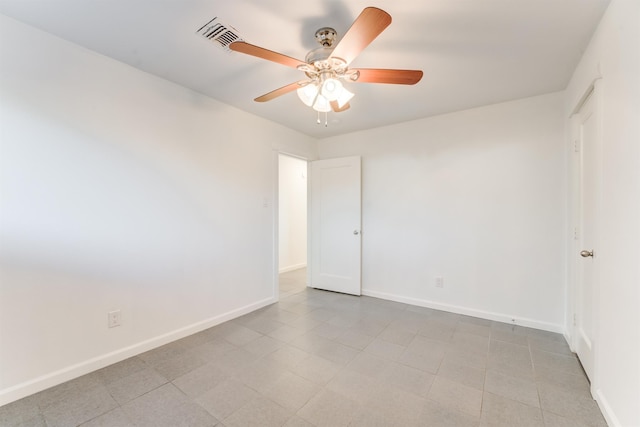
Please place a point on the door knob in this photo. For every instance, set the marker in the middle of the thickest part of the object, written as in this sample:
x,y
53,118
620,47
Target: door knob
x,y
356,232
586,254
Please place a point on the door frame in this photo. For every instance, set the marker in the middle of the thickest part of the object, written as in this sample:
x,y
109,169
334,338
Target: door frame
x,y
593,92
276,219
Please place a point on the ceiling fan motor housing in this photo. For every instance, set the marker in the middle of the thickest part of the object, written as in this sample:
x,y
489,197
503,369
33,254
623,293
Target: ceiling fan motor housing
x,y
323,65
326,36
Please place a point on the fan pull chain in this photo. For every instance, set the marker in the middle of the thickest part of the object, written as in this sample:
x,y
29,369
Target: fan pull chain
x,y
326,119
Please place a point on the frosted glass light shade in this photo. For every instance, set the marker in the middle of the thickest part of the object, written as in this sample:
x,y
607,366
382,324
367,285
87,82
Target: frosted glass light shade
x,y
322,104
308,93
320,97
345,96
331,89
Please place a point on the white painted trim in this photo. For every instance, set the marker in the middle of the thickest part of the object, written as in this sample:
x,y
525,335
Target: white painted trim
x,y
567,338
607,411
275,228
498,317
293,267
44,382
598,105
596,75
309,228
295,156
573,225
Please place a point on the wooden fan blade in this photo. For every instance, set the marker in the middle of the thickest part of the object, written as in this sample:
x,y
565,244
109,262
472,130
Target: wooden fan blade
x,y
336,108
267,54
278,92
367,26
398,77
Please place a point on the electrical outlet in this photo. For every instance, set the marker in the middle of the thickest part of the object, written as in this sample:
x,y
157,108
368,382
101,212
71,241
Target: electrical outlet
x,y
439,282
114,318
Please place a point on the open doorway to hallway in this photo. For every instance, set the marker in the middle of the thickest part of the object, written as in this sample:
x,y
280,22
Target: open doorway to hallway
x,y
292,282
292,224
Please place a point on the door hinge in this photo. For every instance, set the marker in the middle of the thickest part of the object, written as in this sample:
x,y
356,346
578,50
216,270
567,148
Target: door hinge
x,y
576,233
576,145
575,320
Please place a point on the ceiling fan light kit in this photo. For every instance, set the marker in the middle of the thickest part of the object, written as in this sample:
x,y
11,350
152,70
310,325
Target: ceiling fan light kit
x,y
327,67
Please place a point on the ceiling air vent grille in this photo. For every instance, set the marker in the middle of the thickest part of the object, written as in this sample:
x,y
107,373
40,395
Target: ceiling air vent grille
x,y
219,33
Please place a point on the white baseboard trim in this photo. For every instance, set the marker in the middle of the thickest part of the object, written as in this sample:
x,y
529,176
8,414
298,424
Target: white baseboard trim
x,y
292,267
569,339
498,317
607,412
46,381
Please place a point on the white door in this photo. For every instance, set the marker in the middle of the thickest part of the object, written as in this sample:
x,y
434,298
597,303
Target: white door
x,y
590,178
335,225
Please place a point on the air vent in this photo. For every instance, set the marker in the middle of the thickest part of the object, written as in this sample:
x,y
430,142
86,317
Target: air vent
x,y
219,33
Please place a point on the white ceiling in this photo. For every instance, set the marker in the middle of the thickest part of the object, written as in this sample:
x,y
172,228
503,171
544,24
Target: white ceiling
x,y
472,52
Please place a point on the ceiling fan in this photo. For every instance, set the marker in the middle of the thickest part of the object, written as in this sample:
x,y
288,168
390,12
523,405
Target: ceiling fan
x,y
327,66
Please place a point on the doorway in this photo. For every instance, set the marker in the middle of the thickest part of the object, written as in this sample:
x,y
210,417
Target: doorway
x,y
292,225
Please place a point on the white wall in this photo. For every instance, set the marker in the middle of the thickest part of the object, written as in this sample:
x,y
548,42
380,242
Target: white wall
x,y
120,190
292,197
477,197
614,54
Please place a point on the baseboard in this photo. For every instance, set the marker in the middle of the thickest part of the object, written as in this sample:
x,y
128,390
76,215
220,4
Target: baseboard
x,y
292,267
569,339
607,412
44,382
498,317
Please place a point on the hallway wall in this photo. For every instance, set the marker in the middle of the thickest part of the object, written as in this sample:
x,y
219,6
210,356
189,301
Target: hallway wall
x,y
292,196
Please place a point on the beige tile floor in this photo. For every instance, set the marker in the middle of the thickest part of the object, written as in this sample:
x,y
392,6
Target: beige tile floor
x,y
324,359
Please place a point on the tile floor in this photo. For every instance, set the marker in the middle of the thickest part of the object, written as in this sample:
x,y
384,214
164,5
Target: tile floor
x,y
292,282
324,359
